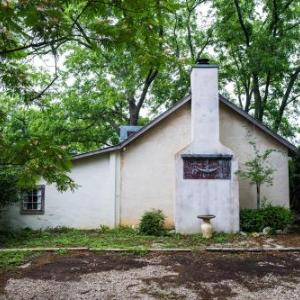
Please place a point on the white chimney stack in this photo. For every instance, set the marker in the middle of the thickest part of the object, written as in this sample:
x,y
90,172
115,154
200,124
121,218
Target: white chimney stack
x,y
206,180
205,109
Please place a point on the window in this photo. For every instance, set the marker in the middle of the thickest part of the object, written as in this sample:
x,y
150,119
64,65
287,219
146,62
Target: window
x,y
33,201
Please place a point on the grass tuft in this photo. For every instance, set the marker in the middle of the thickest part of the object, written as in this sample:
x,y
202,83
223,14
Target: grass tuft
x,y
122,237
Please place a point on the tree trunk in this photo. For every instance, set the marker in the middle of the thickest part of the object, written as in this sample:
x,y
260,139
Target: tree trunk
x,y
133,119
257,98
135,106
134,112
258,196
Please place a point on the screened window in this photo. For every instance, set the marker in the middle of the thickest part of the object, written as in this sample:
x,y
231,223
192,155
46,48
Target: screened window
x,y
33,201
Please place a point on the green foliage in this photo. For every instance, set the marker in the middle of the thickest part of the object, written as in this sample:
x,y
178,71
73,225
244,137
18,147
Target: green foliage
x,y
257,170
12,259
112,68
152,223
27,151
255,220
221,237
103,229
256,44
61,252
294,172
122,237
38,131
124,229
8,186
111,64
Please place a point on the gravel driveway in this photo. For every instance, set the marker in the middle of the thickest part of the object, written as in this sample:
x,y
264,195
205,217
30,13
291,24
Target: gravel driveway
x,y
202,275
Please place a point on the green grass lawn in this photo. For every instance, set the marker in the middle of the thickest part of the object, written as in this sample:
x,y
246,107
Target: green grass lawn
x,y
104,238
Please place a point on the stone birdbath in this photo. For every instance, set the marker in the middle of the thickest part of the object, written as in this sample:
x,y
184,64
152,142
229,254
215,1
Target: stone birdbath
x,y
206,227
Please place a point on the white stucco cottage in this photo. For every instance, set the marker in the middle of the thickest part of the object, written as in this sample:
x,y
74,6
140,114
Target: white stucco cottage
x,y
183,162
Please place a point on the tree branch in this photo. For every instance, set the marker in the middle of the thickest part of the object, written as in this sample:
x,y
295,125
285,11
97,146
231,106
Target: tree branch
x,y
242,24
285,98
149,79
32,45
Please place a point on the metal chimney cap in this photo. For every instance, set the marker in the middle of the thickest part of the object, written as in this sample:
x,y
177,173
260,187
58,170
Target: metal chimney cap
x,y
202,61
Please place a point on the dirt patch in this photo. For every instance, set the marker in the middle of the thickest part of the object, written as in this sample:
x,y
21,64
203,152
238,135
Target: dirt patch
x,y
125,284
286,240
201,275
51,266
210,267
71,267
248,270
263,241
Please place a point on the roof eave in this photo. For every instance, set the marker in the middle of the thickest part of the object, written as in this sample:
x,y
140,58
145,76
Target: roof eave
x,y
96,152
292,148
136,134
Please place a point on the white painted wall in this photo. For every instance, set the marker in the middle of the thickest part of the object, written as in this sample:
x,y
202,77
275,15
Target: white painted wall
x,y
148,168
235,133
148,164
89,206
145,177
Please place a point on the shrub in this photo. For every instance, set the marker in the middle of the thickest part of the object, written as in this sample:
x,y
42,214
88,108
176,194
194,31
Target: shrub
x,y
255,220
152,223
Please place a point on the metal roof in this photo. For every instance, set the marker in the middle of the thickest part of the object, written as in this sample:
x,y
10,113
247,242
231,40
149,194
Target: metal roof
x,y
232,106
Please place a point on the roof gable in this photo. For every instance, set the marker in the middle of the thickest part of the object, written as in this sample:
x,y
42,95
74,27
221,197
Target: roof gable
x,y
292,149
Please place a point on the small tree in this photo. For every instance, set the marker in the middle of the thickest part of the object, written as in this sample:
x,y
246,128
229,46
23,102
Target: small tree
x,y
258,170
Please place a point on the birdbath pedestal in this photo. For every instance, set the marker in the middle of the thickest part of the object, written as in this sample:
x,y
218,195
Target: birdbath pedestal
x,y
206,227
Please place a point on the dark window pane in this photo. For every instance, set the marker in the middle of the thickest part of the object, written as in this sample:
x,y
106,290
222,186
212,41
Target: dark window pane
x,y
34,196
33,200
28,197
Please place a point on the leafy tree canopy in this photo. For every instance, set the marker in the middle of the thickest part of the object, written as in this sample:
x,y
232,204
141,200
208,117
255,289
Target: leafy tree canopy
x,y
257,43
114,60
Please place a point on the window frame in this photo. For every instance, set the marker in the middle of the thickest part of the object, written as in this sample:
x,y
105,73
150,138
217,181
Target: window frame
x,y
34,211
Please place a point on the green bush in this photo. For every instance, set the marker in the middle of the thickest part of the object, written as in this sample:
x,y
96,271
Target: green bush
x,y
255,220
152,223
